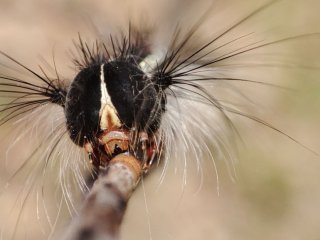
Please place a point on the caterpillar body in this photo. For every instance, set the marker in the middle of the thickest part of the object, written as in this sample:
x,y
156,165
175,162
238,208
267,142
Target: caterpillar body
x,y
161,99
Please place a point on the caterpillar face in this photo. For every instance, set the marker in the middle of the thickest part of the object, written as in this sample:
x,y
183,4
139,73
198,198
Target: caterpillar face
x,y
112,97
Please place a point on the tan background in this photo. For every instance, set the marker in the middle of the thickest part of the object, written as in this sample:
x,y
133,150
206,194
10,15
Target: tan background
x,y
277,191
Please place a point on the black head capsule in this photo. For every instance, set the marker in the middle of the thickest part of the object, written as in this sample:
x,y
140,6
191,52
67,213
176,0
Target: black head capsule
x,y
115,95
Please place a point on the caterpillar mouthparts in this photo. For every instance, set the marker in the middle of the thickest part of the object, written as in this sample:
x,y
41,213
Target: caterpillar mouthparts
x,y
119,141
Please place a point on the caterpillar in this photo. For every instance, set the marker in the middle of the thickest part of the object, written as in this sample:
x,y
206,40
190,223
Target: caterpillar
x,y
171,98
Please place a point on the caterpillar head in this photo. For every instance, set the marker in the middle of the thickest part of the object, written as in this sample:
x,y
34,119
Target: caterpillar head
x,y
107,104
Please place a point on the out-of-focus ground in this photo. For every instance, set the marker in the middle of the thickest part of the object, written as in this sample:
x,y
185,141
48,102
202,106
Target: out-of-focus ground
x,y
276,194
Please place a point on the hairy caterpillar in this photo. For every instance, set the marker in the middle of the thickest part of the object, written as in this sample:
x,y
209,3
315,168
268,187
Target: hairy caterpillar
x,y
188,142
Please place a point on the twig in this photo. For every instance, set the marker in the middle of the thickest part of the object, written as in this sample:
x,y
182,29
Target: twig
x,y
105,205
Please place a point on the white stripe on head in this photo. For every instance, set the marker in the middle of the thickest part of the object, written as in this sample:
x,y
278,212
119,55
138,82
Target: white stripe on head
x,y
108,113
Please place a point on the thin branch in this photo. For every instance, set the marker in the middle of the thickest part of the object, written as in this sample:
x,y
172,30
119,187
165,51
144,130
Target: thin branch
x,y
104,207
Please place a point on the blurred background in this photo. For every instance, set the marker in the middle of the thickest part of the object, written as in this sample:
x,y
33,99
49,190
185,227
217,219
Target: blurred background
x,y
275,190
